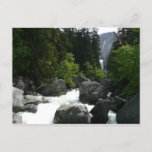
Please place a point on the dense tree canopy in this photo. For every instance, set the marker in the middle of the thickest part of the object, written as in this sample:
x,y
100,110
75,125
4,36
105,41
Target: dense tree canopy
x,y
42,54
123,63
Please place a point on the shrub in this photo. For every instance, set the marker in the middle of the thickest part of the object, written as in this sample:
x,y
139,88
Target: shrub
x,y
68,69
125,69
93,72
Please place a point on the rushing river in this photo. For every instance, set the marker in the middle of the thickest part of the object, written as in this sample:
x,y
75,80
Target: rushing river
x,y
46,112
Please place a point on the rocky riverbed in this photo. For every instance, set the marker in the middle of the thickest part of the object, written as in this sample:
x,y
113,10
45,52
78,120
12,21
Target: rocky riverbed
x,y
46,112
90,103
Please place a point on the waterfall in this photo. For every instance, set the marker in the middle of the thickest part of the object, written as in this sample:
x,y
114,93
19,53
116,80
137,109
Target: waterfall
x,y
106,44
101,63
112,117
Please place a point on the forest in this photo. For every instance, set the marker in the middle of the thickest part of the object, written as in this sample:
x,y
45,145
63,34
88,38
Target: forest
x,y
42,54
124,62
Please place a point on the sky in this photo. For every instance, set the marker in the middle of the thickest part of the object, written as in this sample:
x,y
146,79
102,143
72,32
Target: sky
x,y
107,29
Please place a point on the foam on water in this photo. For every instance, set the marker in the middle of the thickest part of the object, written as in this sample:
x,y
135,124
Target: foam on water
x,y
46,112
109,94
112,117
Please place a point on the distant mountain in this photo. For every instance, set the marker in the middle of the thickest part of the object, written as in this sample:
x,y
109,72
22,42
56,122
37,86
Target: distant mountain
x,y
106,43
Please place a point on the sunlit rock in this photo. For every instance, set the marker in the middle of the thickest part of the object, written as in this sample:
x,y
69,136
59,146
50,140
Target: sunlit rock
x,y
72,114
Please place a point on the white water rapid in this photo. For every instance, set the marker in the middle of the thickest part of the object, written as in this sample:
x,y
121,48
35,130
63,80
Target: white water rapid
x,y
112,117
46,112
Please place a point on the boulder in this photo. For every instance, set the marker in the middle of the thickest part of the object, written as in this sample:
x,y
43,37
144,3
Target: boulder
x,y
91,91
27,104
72,114
29,108
117,103
26,85
20,84
17,118
106,83
30,99
130,113
30,88
78,80
100,111
56,88
18,99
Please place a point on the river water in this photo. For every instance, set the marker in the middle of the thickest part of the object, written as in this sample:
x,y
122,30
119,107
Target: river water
x,y
46,112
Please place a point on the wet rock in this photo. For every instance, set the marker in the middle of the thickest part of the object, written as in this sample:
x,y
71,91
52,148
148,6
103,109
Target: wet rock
x,y
56,88
18,99
29,108
91,92
117,103
100,111
130,112
72,114
26,85
30,88
78,80
30,99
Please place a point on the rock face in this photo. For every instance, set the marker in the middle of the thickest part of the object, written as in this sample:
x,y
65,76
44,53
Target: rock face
x,y
91,91
78,80
18,99
72,114
100,112
130,113
56,88
17,118
106,43
117,103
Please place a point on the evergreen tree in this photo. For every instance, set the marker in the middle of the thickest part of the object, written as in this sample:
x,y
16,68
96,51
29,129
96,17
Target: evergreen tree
x,y
123,62
38,52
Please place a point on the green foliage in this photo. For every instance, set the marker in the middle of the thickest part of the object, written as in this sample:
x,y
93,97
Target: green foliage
x,y
85,45
40,53
123,62
125,69
93,72
68,69
127,36
36,52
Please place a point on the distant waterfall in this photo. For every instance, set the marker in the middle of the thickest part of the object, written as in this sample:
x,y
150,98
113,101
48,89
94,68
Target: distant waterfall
x,y
101,63
106,44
